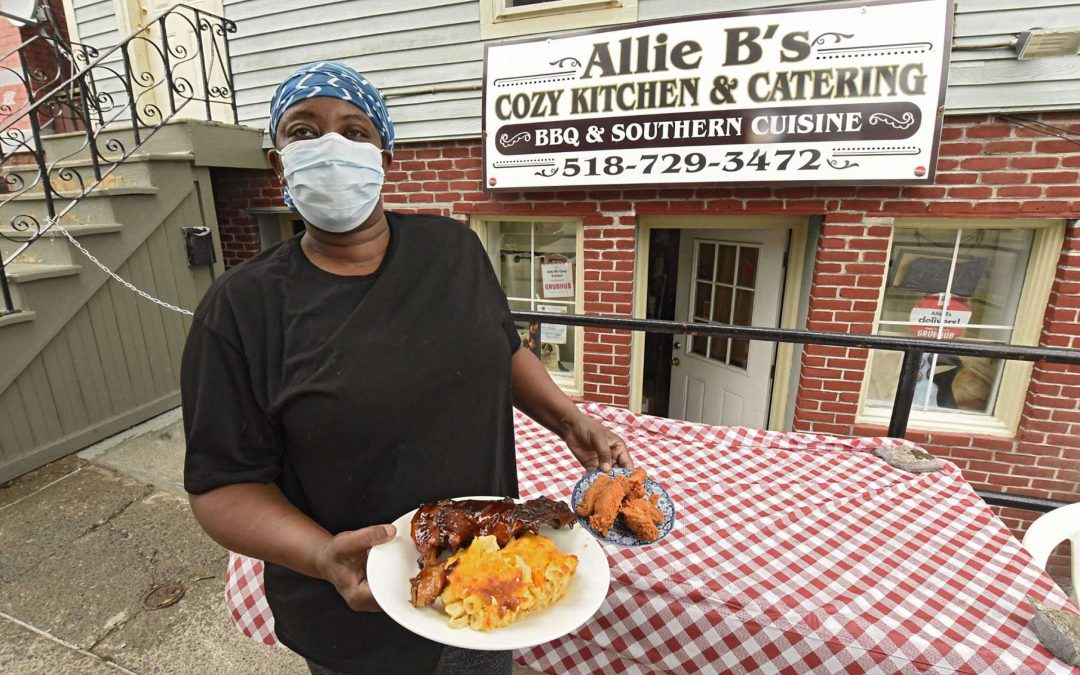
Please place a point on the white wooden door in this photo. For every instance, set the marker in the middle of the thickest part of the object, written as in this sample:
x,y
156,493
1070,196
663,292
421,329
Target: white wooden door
x,y
193,74
728,277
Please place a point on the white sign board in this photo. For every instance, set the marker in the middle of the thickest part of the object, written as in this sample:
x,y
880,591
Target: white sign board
x,y
848,94
552,333
928,318
557,279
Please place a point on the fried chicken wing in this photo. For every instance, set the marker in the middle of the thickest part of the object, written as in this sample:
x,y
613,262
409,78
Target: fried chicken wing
x,y
658,517
607,505
637,484
642,517
588,500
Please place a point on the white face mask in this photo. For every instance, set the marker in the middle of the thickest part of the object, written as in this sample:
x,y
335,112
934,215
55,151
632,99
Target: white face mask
x,y
334,182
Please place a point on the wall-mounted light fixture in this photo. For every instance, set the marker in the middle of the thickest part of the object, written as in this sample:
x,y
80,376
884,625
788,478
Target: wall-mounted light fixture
x,y
1039,43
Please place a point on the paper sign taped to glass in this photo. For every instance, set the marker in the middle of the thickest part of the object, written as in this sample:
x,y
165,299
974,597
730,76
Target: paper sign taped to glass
x,y
557,279
930,318
552,333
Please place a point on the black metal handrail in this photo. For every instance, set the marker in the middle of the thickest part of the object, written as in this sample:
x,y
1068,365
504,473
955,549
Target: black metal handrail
x,y
97,92
912,349
41,80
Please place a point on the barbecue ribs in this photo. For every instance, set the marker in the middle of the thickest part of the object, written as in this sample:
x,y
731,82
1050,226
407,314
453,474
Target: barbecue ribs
x,y
448,525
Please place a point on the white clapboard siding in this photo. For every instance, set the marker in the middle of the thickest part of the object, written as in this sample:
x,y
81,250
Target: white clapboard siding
x,y
412,44
96,21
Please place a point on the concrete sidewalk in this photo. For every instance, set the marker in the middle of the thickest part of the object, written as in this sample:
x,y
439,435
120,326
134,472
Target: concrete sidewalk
x,y
86,538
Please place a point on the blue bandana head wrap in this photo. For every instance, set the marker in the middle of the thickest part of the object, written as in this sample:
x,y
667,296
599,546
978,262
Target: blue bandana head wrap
x,y
336,80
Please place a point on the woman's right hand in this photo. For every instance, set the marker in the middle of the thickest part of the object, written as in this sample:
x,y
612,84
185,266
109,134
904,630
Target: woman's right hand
x,y
342,560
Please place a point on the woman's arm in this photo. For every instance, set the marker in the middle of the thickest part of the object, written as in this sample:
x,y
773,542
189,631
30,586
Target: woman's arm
x,y
259,521
540,398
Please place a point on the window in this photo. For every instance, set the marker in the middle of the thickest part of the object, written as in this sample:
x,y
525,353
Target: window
x,y
972,283
506,18
276,225
723,293
536,263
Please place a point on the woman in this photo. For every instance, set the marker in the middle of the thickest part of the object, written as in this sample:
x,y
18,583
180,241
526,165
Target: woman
x,y
345,376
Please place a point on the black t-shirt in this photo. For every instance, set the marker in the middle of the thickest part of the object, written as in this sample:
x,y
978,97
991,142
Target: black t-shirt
x,y
361,398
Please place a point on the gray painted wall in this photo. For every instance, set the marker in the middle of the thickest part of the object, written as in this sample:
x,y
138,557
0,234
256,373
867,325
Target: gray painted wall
x,y
418,43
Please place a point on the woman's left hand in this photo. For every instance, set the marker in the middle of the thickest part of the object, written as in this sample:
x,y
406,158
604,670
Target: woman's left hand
x,y
594,445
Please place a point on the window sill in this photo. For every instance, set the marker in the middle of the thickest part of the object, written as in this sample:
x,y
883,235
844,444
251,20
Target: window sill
x,y
556,17
555,8
569,386
973,425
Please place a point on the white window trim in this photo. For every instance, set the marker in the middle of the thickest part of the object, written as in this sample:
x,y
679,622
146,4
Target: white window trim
x,y
1012,392
572,386
499,21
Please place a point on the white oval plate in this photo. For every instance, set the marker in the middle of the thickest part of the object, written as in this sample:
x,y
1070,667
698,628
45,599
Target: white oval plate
x,y
391,565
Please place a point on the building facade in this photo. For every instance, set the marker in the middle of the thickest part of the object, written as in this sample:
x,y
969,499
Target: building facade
x,y
1000,216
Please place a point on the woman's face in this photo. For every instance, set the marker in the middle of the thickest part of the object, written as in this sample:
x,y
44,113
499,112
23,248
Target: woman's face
x,y
320,115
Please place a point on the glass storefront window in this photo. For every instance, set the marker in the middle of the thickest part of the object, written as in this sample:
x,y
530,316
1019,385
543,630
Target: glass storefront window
x,y
536,263
950,284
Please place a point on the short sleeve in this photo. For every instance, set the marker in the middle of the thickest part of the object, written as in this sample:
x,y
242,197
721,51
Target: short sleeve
x,y
230,438
498,296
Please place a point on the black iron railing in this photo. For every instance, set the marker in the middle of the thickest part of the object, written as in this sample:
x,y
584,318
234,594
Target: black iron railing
x,y
135,87
911,348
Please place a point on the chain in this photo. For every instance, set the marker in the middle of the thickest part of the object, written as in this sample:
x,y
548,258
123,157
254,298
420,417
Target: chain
x,y
114,275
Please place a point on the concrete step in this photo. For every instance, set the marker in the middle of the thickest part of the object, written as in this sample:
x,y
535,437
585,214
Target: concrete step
x,y
22,274
76,229
97,206
49,250
95,193
25,272
16,317
52,246
71,175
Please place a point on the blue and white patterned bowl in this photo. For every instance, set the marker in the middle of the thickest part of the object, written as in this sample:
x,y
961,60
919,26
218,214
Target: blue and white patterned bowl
x,y
619,533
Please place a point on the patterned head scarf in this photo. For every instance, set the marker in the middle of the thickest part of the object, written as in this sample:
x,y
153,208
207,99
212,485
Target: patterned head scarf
x,y
336,80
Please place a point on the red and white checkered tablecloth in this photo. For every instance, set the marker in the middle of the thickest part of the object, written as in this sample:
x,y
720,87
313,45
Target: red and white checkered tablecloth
x,y
791,553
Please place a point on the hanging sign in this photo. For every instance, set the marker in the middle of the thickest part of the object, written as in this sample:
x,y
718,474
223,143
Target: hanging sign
x,y
557,278
927,317
831,94
551,333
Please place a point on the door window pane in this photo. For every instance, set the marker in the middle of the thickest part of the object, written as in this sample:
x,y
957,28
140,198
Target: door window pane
x,y
725,264
699,345
950,284
740,353
748,259
702,301
744,308
719,349
706,262
722,308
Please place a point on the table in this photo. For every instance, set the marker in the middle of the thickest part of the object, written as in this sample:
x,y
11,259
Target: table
x,y
791,553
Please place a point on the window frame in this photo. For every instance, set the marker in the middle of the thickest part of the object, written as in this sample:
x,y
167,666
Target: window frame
x,y
481,225
273,224
499,21
735,287
1004,419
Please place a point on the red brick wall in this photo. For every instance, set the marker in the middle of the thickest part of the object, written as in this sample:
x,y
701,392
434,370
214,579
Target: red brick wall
x,y
236,192
12,96
987,168
39,57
